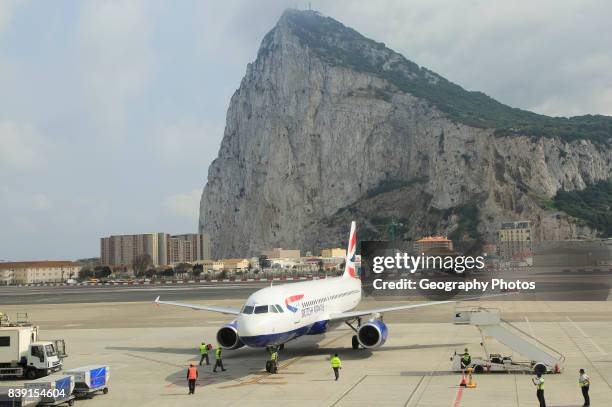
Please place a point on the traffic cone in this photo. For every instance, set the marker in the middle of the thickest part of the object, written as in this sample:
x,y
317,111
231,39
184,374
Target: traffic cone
x,y
471,384
463,382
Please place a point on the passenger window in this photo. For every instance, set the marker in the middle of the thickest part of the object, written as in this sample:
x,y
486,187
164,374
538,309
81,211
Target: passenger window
x,y
261,309
247,309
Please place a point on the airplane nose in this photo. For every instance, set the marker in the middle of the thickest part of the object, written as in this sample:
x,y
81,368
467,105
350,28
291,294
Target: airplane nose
x,y
249,325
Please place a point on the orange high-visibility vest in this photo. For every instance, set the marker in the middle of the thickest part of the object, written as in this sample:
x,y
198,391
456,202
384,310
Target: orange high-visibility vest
x,y
192,373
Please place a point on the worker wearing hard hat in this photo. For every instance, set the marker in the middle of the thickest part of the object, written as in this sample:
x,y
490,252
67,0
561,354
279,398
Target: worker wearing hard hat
x,y
274,361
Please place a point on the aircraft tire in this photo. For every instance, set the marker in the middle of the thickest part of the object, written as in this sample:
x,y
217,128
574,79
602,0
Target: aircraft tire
x,y
355,342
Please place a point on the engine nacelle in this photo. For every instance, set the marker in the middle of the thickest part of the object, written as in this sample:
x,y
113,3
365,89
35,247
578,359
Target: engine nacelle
x,y
372,334
228,337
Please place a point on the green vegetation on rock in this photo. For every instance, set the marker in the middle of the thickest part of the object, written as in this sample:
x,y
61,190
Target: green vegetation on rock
x,y
339,45
592,204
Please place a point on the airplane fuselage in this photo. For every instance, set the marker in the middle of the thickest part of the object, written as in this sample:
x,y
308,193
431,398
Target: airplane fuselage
x,y
275,315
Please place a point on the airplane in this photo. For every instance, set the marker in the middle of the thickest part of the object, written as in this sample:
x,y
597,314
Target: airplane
x,y
275,315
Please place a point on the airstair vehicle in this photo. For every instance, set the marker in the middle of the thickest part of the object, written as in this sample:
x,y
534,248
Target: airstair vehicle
x,y
541,357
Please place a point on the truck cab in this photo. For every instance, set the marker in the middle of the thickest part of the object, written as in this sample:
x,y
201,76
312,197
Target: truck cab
x,y
22,353
43,359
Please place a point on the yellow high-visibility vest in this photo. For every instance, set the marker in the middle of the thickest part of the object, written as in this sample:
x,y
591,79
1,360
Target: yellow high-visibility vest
x,y
335,362
218,353
203,349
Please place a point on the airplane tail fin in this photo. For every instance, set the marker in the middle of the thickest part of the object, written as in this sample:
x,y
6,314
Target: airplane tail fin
x,y
349,267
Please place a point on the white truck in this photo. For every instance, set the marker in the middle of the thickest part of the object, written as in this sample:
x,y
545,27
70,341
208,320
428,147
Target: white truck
x,y
22,354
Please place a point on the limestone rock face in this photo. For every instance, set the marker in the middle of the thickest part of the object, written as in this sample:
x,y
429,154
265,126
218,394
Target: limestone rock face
x,y
311,143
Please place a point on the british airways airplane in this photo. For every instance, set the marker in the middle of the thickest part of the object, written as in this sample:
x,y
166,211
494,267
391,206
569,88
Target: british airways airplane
x,y
278,314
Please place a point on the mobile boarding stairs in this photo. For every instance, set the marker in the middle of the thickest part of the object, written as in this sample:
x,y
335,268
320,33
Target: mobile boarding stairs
x,y
541,357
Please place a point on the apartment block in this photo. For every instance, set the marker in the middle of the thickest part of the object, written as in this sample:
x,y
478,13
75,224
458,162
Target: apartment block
x,y
433,242
164,249
32,272
515,240
121,250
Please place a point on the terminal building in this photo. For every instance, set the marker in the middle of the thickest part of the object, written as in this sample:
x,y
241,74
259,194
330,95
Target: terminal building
x,y
164,249
33,272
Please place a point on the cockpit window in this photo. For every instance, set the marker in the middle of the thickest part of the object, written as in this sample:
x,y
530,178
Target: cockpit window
x,y
247,309
279,308
261,309
272,308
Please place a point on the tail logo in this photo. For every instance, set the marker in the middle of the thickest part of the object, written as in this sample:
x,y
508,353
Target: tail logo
x,y
293,299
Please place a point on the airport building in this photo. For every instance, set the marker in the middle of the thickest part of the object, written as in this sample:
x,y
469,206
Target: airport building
x,y
515,240
279,253
33,272
433,242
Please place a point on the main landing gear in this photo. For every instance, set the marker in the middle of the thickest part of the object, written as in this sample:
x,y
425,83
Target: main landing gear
x,y
354,340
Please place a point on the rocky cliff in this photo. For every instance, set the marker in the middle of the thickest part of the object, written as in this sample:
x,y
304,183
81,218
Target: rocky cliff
x,y
329,126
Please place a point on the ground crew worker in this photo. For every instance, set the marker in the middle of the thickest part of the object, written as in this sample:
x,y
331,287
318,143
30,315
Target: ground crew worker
x,y
585,382
274,360
336,364
538,381
218,360
192,376
204,353
466,359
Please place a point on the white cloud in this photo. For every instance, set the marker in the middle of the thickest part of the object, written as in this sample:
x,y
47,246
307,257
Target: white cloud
x,y
7,9
188,140
21,147
184,205
39,202
116,56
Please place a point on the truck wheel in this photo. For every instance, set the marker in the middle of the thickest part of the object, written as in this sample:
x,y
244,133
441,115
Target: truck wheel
x,y
30,374
70,402
355,342
105,390
478,369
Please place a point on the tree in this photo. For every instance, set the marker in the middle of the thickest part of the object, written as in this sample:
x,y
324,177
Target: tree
x,y
263,261
85,273
320,265
141,263
197,270
182,268
169,272
102,271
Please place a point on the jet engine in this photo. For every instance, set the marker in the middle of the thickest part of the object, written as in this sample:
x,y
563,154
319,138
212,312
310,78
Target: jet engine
x,y
228,337
372,334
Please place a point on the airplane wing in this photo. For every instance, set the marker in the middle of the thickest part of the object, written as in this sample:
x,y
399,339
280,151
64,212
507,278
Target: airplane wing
x,y
360,313
222,310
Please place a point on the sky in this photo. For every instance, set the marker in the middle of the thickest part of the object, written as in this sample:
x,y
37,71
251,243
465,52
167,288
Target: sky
x,y
111,111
